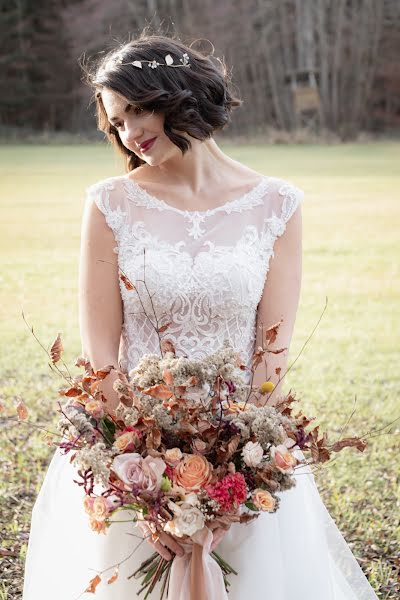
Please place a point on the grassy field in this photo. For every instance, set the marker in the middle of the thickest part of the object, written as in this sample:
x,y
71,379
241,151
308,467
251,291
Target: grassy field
x,y
351,216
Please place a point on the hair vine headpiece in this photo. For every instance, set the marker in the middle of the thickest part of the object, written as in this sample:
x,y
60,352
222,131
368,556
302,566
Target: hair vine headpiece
x,y
153,64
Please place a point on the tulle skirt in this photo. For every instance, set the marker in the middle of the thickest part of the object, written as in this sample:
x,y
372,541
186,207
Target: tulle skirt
x,y
296,553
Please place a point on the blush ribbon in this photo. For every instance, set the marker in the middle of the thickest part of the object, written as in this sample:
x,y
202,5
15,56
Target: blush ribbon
x,y
196,575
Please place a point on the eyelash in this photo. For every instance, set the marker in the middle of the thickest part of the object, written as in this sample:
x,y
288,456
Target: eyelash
x,y
137,110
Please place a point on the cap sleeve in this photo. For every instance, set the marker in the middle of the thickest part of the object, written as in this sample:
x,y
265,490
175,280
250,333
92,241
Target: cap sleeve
x,y
108,196
282,201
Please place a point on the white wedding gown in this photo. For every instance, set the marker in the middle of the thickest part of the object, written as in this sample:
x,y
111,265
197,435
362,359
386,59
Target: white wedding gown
x,y
207,269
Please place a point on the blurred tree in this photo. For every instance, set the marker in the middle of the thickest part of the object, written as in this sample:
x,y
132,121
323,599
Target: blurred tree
x,y
37,73
332,61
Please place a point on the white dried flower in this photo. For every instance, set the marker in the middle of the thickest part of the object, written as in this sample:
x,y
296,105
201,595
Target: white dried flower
x,y
97,458
188,519
252,454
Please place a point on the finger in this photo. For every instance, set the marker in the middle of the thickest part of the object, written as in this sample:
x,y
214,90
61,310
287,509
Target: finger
x,y
218,525
171,543
161,550
217,537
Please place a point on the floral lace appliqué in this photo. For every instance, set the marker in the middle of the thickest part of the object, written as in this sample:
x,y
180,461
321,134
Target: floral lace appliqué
x,y
208,295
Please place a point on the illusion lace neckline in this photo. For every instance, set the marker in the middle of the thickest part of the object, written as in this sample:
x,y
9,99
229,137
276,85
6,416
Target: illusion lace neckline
x,y
153,201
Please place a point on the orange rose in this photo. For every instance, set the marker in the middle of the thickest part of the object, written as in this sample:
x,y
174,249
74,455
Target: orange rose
x,y
193,472
263,500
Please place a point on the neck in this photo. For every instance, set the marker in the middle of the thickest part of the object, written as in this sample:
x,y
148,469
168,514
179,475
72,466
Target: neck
x,y
198,167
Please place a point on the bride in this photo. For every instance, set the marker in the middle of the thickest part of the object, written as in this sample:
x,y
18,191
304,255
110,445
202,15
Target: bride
x,y
218,247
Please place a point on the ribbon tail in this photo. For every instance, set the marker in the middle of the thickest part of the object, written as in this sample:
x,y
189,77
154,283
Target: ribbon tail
x,y
196,575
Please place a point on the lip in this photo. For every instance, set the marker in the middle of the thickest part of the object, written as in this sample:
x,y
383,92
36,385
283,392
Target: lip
x,y
147,144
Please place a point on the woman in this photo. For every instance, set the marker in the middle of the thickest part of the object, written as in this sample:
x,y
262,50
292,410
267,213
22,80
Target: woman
x,y
216,246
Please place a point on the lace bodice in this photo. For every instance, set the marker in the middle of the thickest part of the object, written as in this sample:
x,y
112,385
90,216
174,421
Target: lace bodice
x,y
204,270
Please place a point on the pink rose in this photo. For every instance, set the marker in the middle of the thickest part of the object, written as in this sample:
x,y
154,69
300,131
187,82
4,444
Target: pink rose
x,y
134,470
284,459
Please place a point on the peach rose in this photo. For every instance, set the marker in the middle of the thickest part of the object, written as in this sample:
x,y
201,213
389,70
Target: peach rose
x,y
95,408
193,472
97,526
284,459
263,499
88,504
100,508
126,441
173,456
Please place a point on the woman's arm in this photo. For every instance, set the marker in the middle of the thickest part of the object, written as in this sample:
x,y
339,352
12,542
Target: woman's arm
x,y
100,302
280,301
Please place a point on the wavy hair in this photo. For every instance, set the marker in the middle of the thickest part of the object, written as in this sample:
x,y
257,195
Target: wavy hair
x,y
196,100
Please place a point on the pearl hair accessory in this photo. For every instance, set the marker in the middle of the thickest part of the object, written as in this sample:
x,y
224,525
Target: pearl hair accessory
x,y
153,64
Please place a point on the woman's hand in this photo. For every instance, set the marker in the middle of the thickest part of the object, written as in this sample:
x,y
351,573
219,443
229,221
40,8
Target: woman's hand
x,y
164,542
219,529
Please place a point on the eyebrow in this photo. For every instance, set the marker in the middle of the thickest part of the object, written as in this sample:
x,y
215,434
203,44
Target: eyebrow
x,y
126,109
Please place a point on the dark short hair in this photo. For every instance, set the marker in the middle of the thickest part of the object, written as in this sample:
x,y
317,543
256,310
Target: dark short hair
x,y
196,100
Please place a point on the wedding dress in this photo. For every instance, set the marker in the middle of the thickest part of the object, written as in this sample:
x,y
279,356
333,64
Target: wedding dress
x,y
207,269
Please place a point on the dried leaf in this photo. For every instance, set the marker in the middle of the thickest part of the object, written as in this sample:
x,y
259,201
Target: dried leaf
x,y
164,327
160,391
93,584
22,411
167,376
103,372
272,332
278,351
324,454
257,357
72,392
314,452
167,346
127,283
186,427
232,445
353,441
114,576
153,439
247,517
56,349
192,381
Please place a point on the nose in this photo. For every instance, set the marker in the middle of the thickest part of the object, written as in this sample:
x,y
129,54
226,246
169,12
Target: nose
x,y
133,133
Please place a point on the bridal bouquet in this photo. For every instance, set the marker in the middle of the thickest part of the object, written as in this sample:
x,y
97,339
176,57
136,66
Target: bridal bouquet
x,y
185,449
189,447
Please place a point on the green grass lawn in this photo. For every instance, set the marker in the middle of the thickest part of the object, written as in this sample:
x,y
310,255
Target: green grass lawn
x,y
351,216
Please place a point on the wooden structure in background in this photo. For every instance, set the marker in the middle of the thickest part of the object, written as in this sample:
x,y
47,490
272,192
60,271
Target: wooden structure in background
x,y
306,99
